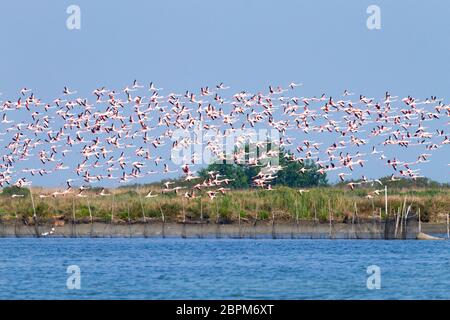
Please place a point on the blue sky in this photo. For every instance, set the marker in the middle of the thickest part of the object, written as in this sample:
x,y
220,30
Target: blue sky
x,y
248,45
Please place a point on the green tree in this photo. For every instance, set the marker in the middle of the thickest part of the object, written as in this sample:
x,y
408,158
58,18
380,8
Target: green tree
x,y
236,173
10,190
290,175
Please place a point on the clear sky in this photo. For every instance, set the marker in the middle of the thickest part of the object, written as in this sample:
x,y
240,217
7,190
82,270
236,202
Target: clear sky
x,y
248,45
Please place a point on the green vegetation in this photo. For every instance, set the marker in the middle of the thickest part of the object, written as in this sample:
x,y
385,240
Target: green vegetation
x,y
284,203
290,175
16,191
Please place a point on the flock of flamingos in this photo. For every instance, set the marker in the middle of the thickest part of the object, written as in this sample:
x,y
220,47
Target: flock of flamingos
x,y
126,136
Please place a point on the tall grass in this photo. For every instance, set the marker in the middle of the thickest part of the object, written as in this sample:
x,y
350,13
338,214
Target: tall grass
x,y
283,203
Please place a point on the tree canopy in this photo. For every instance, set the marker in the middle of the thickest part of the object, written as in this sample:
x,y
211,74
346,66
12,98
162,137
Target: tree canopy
x,y
290,174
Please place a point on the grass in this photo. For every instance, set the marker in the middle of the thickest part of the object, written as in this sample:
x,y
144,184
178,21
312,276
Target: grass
x,y
285,204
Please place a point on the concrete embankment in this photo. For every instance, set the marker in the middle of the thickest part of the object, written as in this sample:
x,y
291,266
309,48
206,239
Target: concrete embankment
x,y
261,229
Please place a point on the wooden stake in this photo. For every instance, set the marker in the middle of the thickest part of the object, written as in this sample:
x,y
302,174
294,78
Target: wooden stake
x,y
386,203
142,206
129,219
163,221
201,217
420,222
331,225
396,222
90,212
448,227
90,217
402,217
273,226
112,207
35,219
331,218
373,209
16,222
73,216
315,213
201,210
184,211
239,219
183,228
355,216
217,221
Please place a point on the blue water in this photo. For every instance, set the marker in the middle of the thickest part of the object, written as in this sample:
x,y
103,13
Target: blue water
x,y
223,269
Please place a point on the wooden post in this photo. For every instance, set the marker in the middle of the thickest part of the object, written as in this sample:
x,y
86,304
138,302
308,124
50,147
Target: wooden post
x,y
373,209
112,206
420,222
396,222
217,221
163,221
201,210
142,206
386,218
183,228
129,219
315,213
90,218
73,209
3,227
313,234
353,221
239,219
90,212
255,220
201,217
402,217
331,218
448,227
16,222
296,218
73,217
331,224
143,213
386,202
402,220
35,218
184,211
256,205
273,226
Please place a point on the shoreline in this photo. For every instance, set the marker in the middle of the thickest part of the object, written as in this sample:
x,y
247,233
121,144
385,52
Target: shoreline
x,y
303,230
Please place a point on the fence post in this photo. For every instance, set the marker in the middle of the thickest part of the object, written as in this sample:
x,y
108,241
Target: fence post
x,y
448,228
90,218
73,217
386,202
420,222
331,225
163,221
35,219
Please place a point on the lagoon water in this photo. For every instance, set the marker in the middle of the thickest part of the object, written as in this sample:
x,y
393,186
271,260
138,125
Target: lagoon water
x,y
173,268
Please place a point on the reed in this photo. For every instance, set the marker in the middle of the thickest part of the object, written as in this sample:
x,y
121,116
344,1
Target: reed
x,y
281,204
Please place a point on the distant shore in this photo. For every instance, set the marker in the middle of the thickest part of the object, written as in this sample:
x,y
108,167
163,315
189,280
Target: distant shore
x,y
261,229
